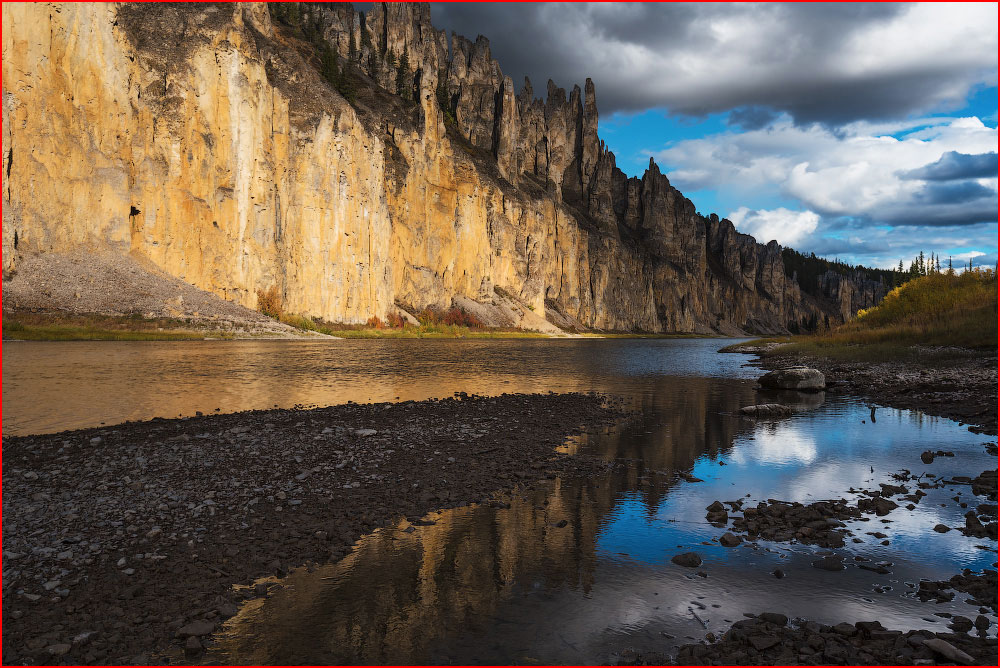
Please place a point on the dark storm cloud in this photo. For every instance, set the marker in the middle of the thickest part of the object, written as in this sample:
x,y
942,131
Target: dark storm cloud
x,y
751,118
953,193
813,61
954,165
983,210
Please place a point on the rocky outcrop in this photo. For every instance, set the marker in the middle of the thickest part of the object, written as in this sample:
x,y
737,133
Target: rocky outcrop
x,y
205,139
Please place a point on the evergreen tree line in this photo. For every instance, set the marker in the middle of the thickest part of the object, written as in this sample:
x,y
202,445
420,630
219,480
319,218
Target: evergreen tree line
x,y
923,265
807,269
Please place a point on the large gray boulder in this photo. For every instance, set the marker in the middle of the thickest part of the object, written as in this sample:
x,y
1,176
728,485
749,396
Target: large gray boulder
x,y
799,378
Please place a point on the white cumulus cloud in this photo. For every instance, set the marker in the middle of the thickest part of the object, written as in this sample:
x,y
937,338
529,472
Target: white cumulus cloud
x,y
789,228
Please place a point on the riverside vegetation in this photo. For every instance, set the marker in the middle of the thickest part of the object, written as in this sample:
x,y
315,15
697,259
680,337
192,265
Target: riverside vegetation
x,y
945,310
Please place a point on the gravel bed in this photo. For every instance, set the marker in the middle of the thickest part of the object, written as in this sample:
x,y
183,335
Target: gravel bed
x,y
121,541
767,639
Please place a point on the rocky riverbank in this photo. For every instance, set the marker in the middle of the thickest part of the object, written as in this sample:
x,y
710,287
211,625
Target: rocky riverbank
x,y
120,542
953,383
768,640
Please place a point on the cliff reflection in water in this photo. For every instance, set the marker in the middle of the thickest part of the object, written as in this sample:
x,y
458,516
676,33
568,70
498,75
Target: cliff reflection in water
x,y
398,596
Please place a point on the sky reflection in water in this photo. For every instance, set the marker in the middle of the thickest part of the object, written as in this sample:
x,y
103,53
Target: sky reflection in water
x,y
488,585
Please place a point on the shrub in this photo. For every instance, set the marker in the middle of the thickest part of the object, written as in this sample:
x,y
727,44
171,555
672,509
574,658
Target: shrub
x,y
375,322
269,302
459,317
396,321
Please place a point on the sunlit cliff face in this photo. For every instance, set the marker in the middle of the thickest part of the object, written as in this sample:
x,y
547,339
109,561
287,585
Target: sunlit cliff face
x,y
204,139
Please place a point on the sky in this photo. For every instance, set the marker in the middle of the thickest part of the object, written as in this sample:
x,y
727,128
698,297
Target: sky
x,y
863,132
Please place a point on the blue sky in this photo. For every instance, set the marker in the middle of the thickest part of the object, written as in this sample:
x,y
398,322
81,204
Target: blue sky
x,y
858,131
636,136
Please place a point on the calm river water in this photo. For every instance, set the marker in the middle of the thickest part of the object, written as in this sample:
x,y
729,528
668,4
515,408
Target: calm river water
x,y
505,585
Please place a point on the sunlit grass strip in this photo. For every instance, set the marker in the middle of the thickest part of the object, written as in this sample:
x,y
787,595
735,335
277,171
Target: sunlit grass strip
x,y
22,332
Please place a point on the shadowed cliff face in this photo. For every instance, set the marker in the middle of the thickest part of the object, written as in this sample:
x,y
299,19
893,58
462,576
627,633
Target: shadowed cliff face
x,y
205,139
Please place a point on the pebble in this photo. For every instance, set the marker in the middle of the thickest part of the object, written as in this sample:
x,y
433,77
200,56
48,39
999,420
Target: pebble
x,y
61,649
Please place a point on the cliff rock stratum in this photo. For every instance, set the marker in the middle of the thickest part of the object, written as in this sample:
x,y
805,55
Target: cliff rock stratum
x,y
362,164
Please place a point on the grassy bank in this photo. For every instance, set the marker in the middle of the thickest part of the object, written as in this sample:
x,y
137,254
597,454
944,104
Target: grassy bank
x,y
68,327
934,311
376,329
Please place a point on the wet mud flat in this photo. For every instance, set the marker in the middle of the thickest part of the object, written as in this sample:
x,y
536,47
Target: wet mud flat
x,y
125,541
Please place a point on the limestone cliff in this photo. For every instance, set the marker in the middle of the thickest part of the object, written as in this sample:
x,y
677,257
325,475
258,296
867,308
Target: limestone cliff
x,y
207,139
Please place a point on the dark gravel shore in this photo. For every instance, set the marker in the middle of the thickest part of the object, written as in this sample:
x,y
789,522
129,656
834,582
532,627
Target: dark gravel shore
x,y
769,640
960,385
119,542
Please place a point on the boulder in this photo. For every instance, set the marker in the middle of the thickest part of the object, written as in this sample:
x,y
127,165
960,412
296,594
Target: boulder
x,y
798,378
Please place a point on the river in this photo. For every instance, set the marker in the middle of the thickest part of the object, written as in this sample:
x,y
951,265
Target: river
x,y
509,585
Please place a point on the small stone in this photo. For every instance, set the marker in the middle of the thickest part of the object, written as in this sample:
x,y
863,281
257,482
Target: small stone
x,y
774,618
96,440
948,651
845,629
982,622
202,627
687,559
365,432
927,457
761,643
730,540
941,528
192,646
829,564
960,624
778,573
227,610
61,649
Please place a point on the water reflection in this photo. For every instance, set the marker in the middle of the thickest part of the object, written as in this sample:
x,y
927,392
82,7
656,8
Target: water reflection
x,y
51,386
510,585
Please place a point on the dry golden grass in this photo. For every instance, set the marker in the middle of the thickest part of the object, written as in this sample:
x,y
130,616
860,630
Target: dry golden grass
x,y
929,315
935,310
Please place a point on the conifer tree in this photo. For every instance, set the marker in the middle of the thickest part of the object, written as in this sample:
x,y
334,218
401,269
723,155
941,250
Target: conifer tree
x,y
328,66
403,89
